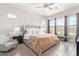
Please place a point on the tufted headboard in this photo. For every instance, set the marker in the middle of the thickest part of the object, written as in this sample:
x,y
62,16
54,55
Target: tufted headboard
x,y
32,26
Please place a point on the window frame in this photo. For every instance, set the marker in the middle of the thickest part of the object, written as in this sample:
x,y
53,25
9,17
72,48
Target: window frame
x,y
63,26
75,24
53,26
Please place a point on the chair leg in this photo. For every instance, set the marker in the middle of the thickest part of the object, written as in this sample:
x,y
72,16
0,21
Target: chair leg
x,y
4,53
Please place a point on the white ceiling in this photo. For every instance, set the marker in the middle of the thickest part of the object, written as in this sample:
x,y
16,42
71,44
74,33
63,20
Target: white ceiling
x,y
32,7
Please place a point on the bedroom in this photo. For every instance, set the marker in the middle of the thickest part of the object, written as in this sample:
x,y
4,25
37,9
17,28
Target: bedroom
x,y
45,18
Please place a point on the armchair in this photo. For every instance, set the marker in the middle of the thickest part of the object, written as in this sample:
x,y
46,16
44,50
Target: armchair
x,y
6,43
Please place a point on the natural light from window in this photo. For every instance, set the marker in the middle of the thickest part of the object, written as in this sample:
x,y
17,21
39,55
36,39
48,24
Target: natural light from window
x,y
60,26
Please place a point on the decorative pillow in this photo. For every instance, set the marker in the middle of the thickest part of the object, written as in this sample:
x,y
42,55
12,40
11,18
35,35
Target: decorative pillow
x,y
4,38
41,31
31,31
37,31
26,36
34,31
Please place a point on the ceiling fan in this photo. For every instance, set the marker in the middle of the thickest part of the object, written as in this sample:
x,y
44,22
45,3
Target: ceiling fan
x,y
46,6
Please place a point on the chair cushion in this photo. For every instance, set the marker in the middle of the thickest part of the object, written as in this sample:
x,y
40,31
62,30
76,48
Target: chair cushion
x,y
10,45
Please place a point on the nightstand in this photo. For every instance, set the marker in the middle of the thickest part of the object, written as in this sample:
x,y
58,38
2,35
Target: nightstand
x,y
19,39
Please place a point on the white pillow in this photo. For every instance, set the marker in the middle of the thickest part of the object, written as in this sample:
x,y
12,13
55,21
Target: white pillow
x,y
4,38
41,31
37,31
31,31
26,36
34,31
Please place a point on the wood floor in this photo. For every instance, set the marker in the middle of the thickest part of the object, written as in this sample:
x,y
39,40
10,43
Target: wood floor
x,y
64,49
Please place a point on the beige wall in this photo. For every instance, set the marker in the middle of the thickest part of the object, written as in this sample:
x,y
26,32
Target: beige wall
x,y
23,17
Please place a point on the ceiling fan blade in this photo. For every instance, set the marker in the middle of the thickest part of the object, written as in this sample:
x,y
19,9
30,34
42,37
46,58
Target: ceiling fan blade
x,y
44,4
50,8
50,4
39,7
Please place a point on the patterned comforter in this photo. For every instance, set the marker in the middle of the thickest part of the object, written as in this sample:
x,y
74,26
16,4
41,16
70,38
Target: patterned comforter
x,y
40,43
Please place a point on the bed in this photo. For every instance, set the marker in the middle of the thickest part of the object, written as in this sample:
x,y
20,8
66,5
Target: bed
x,y
40,42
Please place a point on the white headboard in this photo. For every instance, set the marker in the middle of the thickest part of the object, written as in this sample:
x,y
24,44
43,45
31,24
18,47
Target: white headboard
x,y
32,26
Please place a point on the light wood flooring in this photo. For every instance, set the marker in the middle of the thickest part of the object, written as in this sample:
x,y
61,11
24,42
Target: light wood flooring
x,y
64,49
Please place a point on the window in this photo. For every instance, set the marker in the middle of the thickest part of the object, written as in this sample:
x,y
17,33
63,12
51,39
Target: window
x,y
60,26
72,27
51,24
11,16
